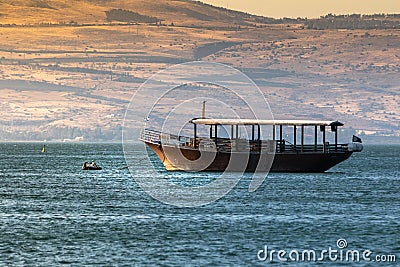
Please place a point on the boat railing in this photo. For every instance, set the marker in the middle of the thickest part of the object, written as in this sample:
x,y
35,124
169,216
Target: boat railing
x,y
285,146
156,137
150,136
232,145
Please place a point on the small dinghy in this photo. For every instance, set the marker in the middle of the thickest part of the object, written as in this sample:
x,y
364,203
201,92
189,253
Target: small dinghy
x,y
90,166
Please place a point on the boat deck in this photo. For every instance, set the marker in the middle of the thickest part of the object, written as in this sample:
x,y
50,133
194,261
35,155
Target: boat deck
x,y
238,145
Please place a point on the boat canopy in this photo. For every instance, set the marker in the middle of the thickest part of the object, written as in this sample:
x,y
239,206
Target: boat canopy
x,y
265,122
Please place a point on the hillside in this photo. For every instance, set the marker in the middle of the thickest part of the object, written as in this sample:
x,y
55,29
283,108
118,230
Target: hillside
x,y
69,68
178,12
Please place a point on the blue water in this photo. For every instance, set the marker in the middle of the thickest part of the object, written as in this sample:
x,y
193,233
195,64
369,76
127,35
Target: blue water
x,y
53,213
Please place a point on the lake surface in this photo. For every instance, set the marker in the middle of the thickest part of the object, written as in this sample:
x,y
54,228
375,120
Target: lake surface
x,y
53,213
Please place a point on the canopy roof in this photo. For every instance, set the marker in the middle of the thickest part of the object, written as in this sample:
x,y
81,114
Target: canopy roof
x,y
265,122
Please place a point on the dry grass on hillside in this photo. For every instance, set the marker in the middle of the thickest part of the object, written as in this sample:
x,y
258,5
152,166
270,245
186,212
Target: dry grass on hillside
x,y
52,77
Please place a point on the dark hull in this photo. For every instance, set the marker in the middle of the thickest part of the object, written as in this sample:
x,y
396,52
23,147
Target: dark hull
x,y
317,162
280,162
91,168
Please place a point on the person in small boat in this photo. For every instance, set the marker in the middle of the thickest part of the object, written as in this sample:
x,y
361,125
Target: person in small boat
x,y
85,165
93,164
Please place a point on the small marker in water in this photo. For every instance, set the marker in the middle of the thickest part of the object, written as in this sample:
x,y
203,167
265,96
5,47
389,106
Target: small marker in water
x,y
44,149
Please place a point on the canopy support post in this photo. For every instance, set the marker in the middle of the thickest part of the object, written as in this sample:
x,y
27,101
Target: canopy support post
x,y
195,135
216,134
281,144
336,138
259,136
302,138
237,137
323,138
316,138
273,132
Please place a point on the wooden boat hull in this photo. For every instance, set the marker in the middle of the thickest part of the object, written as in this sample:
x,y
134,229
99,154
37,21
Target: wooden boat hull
x,y
316,162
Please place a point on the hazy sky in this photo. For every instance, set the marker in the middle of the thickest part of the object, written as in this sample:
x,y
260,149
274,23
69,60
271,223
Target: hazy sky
x,y
309,8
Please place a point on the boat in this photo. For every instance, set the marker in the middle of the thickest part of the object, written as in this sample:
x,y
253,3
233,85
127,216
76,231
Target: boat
x,y
90,166
216,152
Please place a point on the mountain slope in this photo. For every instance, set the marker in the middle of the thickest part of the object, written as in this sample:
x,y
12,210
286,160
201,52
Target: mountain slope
x,y
181,12
52,76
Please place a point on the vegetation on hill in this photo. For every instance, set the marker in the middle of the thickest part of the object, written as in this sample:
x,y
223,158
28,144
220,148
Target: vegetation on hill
x,y
355,21
40,4
350,22
129,16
